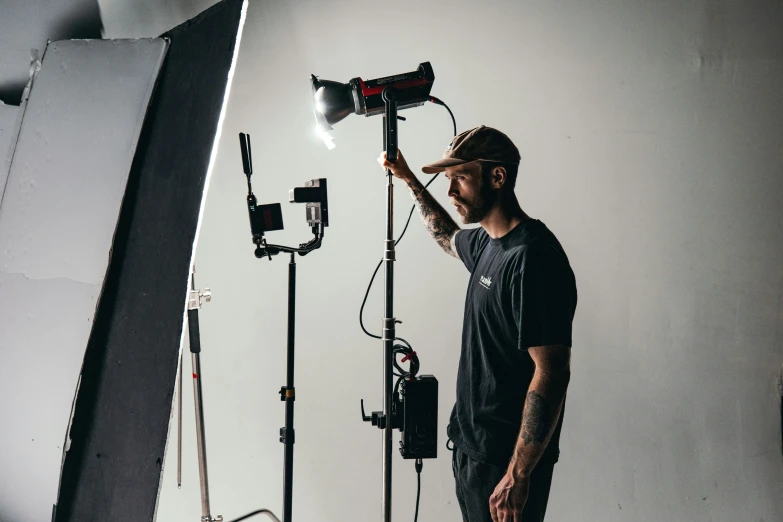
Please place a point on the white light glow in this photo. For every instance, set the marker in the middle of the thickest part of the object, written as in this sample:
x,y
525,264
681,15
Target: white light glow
x,y
320,107
328,140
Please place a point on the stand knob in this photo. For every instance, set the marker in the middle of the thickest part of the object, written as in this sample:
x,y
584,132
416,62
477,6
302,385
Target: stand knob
x,y
377,418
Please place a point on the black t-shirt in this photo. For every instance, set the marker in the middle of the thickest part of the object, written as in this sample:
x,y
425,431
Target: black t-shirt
x,y
522,293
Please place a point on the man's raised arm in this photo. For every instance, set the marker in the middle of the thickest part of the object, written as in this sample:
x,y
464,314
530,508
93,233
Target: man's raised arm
x,y
438,222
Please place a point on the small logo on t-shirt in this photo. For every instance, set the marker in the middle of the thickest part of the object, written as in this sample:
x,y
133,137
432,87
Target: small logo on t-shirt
x,y
486,282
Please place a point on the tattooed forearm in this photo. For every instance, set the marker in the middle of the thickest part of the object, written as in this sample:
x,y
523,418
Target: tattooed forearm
x,y
536,419
438,222
540,416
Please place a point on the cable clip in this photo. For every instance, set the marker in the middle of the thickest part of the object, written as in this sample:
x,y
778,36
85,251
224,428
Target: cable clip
x,y
408,356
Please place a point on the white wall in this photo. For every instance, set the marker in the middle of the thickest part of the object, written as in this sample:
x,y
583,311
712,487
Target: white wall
x,y
651,145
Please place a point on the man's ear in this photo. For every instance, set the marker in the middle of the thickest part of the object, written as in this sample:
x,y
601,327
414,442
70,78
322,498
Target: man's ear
x,y
498,177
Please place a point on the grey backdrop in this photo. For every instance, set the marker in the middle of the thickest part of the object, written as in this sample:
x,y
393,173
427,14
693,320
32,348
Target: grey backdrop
x,y
651,143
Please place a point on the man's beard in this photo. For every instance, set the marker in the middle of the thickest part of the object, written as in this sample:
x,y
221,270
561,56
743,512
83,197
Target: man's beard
x,y
478,207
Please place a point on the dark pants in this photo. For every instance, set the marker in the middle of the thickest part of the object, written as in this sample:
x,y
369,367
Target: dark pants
x,y
476,482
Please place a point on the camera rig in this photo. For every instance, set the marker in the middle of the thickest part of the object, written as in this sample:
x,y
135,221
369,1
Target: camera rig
x,y
267,218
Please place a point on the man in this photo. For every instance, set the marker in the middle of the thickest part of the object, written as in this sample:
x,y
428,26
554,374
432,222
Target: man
x,y
516,339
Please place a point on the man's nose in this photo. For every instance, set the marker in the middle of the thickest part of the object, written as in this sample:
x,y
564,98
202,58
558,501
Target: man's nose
x,y
452,189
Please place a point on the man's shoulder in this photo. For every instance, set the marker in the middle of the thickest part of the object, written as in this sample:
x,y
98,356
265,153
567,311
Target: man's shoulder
x,y
472,233
536,248
539,240
471,238
529,236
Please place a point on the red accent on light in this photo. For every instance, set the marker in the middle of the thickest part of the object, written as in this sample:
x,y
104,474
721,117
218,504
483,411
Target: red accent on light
x,y
195,376
370,91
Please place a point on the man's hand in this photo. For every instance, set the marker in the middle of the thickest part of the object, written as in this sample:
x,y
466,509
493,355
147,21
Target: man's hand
x,y
509,498
399,168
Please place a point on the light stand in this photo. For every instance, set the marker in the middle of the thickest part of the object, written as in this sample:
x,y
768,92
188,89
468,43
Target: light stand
x,y
288,392
332,102
389,322
264,218
194,303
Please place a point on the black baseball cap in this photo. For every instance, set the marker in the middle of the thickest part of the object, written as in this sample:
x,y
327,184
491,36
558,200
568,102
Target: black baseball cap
x,y
480,144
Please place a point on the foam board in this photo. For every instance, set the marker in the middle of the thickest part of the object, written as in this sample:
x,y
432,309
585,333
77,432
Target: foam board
x,y
120,425
59,214
8,133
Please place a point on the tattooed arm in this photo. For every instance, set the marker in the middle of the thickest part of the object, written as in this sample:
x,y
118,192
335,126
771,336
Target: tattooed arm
x,y
438,222
539,418
542,406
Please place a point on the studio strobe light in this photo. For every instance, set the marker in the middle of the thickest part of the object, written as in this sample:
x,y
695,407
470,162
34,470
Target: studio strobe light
x,y
411,404
334,101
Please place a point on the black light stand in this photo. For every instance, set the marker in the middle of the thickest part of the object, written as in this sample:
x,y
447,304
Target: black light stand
x,y
288,392
414,411
389,322
265,218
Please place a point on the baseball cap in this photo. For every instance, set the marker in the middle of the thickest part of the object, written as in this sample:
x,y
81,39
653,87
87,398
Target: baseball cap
x,y
479,144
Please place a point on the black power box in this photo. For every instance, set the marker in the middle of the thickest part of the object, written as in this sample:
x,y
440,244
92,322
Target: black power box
x,y
419,425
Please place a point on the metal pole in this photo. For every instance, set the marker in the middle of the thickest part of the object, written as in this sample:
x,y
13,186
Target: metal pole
x,y
200,436
390,145
194,302
288,394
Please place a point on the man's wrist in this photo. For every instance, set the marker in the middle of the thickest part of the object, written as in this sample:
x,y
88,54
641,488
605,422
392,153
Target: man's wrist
x,y
518,471
415,191
410,178
414,185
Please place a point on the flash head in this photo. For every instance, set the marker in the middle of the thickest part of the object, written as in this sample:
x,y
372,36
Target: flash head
x,y
335,101
313,194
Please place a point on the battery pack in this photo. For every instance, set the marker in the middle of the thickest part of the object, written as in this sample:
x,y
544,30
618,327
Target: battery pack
x,y
420,418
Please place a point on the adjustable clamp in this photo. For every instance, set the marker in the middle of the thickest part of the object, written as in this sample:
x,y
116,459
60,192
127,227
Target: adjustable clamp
x,y
195,297
388,250
287,393
388,330
378,418
287,435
